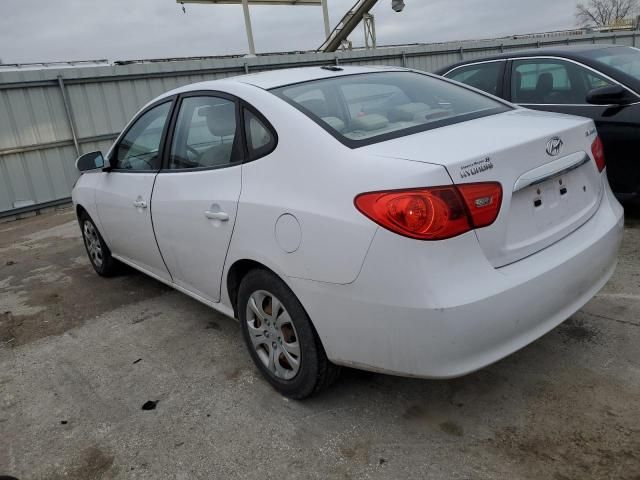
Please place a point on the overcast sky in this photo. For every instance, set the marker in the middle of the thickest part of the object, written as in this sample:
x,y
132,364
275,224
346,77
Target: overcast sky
x,y
46,30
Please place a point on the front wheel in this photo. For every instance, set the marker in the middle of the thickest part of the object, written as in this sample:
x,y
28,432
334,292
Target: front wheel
x,y
99,254
280,337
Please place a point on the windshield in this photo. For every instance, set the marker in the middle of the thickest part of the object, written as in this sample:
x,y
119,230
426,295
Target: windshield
x,y
365,108
624,59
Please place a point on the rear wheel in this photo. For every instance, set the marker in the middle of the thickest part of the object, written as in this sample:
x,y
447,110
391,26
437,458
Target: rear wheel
x,y
99,254
280,337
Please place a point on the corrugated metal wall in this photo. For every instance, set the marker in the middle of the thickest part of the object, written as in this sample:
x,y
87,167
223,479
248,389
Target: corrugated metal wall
x,y
37,145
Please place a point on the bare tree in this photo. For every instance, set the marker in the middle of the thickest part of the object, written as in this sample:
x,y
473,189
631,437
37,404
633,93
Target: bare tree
x,y
602,13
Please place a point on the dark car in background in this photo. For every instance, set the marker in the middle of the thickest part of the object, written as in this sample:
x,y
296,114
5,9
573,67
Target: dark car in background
x,y
597,81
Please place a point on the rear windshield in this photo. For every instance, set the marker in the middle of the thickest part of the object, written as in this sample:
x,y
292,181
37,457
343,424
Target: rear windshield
x,y
624,59
367,108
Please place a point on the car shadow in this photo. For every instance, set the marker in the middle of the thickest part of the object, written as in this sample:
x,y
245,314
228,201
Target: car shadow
x,y
632,212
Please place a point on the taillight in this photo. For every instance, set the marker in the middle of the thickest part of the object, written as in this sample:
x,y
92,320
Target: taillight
x,y
483,201
598,153
433,213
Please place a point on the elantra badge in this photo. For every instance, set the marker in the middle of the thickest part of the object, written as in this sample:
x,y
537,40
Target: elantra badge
x,y
554,146
476,167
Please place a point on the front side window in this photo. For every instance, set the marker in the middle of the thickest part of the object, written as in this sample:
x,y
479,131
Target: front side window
x,y
205,134
483,76
552,82
140,147
365,108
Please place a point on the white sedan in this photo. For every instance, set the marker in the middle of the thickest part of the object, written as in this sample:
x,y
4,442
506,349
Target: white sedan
x,y
376,218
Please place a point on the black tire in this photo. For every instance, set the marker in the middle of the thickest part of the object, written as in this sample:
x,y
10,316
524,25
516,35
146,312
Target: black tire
x,y
315,371
107,266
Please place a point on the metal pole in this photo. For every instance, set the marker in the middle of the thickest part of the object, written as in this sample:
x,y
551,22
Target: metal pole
x,y
370,26
67,108
325,14
247,26
348,23
366,22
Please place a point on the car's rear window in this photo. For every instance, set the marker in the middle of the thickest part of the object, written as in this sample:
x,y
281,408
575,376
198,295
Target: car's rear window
x,y
366,108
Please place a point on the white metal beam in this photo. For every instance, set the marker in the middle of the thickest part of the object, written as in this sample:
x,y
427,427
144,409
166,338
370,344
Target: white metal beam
x,y
369,23
256,2
247,18
247,26
325,14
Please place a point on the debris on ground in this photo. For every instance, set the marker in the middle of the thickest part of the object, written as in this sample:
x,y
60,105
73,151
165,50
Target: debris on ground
x,y
150,405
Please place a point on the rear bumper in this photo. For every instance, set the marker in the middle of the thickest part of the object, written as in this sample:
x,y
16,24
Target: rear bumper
x,y
446,312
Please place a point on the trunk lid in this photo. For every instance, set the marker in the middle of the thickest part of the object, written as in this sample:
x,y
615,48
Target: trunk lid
x,y
546,196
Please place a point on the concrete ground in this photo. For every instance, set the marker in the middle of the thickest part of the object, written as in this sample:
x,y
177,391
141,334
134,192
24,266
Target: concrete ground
x,y
80,355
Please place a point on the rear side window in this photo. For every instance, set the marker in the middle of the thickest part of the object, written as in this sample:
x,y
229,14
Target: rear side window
x,y
483,76
260,138
205,135
552,82
371,107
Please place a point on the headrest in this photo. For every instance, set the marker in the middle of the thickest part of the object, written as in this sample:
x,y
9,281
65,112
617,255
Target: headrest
x,y
545,83
407,111
317,106
371,122
221,118
334,122
517,81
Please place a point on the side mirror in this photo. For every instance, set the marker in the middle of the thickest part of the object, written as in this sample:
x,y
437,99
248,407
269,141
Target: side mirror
x,y
610,95
90,161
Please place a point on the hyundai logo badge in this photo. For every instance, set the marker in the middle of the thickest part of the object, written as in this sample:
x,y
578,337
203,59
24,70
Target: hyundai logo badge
x,y
554,146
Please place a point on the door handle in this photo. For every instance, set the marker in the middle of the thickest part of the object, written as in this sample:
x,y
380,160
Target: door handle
x,y
222,216
140,204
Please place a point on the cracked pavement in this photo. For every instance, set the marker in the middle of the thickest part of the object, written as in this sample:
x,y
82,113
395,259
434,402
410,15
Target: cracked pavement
x,y
80,355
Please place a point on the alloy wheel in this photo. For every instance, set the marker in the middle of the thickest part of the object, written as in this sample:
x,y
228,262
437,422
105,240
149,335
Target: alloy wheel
x,y
273,335
92,241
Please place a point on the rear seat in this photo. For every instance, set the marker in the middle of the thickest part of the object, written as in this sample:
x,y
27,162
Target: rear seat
x,y
406,112
335,123
416,112
370,122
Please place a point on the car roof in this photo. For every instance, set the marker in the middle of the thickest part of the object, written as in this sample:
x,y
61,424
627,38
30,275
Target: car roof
x,y
575,52
288,76
578,53
278,78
